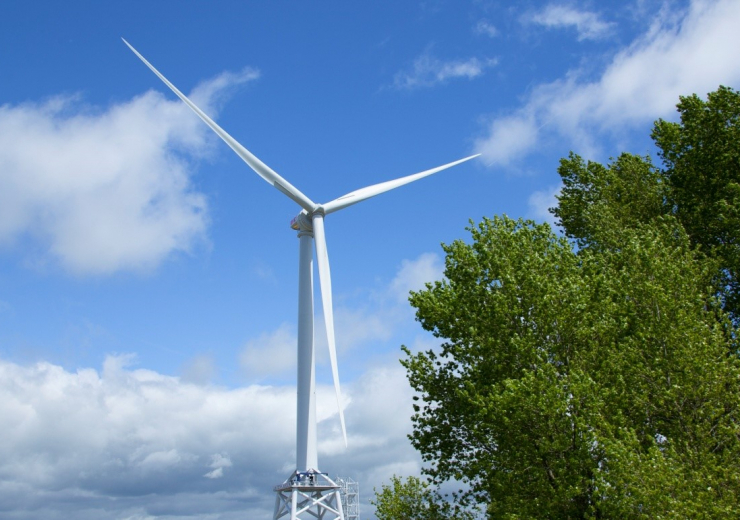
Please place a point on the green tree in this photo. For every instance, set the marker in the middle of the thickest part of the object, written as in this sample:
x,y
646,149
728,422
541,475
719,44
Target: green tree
x,y
588,384
596,375
414,499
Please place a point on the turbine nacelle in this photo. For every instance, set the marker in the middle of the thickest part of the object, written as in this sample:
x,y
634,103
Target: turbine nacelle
x,y
304,220
301,222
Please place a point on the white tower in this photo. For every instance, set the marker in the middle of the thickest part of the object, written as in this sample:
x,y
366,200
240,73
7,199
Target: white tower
x,y
307,492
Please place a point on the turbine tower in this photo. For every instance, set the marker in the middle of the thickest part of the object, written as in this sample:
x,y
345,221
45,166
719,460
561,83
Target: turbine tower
x,y
307,492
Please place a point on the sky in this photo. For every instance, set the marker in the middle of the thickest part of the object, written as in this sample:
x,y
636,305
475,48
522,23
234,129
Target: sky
x,y
148,277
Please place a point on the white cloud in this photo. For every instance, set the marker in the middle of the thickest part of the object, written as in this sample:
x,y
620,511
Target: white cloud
x,y
540,203
428,71
160,460
219,462
588,25
413,275
691,53
216,473
509,137
213,94
103,190
132,443
93,440
199,370
271,354
485,28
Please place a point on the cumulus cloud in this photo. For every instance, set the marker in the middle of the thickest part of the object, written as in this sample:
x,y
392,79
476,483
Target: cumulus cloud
x,y
219,463
85,439
509,137
428,71
589,25
106,189
132,443
693,52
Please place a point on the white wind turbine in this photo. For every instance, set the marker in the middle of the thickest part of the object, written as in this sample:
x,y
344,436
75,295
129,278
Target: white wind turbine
x,y
307,490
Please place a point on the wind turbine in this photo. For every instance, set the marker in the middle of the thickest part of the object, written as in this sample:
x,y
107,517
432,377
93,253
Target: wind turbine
x,y
307,490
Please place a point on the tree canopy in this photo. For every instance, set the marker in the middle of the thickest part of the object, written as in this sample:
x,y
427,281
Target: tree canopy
x,y
698,184
595,375
414,499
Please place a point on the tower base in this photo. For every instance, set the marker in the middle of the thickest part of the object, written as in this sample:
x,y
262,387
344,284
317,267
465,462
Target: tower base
x,y
308,494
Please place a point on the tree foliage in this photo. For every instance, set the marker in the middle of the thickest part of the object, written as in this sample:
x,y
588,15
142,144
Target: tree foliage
x,y
414,499
594,376
699,184
701,155
598,200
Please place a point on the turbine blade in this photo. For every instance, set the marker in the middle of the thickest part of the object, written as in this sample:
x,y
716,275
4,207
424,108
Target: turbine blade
x,y
322,259
258,166
376,189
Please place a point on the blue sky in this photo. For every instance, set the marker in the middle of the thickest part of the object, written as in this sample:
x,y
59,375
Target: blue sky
x,y
148,277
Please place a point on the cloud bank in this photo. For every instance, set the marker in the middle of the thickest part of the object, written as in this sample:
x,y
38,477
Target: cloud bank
x,y
128,443
131,443
103,190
